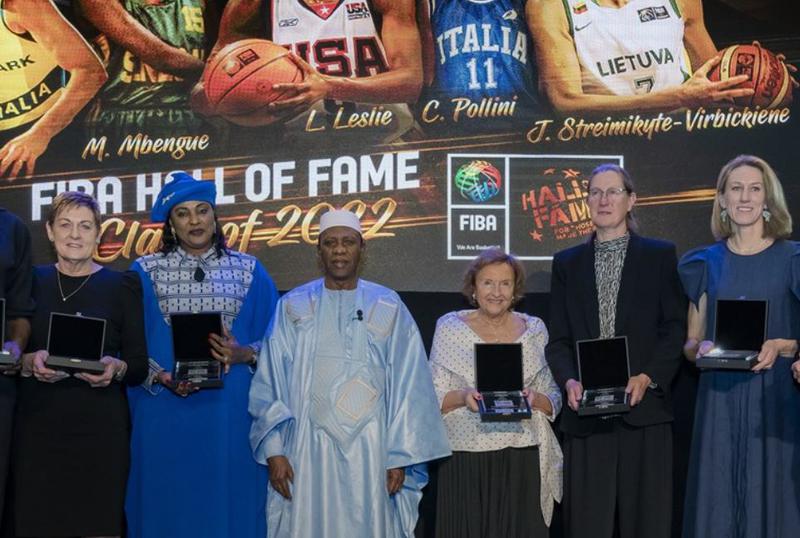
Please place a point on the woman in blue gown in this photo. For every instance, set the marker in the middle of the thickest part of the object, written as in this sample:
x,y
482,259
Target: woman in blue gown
x,y
744,473
192,471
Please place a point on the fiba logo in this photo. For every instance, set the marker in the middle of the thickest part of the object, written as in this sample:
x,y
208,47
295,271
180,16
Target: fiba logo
x,y
478,181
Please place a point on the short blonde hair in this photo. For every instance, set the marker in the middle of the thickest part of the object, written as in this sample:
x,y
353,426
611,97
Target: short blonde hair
x,y
488,257
780,223
71,200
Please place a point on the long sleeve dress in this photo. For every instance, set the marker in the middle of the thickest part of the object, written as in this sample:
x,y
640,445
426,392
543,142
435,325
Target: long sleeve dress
x,y
71,442
192,472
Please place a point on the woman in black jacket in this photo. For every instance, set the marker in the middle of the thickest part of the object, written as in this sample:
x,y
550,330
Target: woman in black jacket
x,y
618,468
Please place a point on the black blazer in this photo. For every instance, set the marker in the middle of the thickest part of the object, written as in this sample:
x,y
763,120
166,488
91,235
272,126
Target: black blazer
x,y
651,312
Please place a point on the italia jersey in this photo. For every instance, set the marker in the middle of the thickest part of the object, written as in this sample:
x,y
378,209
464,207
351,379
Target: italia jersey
x,y
339,38
483,49
635,49
132,84
31,79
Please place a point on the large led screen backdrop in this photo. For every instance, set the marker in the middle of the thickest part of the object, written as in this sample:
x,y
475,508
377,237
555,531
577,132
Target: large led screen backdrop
x,y
448,125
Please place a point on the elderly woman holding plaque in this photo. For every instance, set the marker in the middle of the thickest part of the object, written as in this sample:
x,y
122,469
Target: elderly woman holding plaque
x,y
72,427
192,472
504,476
617,467
744,478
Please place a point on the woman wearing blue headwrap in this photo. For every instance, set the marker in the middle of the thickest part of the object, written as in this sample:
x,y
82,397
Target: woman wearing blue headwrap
x,y
192,471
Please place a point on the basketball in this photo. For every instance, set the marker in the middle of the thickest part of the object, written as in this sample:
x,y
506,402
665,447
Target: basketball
x,y
768,76
238,81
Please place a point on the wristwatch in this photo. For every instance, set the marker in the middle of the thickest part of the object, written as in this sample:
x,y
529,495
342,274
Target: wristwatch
x,y
121,372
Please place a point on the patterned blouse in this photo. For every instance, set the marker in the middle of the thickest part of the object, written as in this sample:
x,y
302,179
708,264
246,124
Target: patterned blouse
x,y
609,257
185,283
452,368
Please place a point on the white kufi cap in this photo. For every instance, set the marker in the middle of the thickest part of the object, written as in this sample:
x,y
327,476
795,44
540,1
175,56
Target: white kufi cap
x,y
339,217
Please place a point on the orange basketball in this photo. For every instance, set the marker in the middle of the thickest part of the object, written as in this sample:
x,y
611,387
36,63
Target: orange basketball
x,y
238,81
768,76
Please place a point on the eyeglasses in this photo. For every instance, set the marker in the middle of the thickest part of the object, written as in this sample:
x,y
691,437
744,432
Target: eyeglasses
x,y
612,192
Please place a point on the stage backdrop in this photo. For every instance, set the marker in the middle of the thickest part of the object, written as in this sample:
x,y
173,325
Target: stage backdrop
x,y
448,126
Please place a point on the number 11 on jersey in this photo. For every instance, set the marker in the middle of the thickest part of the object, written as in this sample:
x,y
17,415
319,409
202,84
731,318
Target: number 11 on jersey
x,y
474,83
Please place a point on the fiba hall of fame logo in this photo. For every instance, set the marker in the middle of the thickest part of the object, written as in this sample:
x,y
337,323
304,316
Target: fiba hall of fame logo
x,y
477,199
531,205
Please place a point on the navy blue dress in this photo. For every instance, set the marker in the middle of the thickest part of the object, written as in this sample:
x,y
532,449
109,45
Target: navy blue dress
x,y
744,472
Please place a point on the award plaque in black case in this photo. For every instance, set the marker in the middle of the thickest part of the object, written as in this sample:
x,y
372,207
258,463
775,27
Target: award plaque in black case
x,y
6,359
193,360
498,377
75,343
604,370
740,328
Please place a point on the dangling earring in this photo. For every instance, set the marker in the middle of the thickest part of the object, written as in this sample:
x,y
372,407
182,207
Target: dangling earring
x,y
766,214
723,215
474,300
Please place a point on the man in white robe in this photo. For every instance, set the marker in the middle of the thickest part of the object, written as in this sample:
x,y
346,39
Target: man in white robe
x,y
344,411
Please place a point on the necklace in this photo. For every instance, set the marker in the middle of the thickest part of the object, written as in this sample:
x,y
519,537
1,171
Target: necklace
x,y
494,326
761,245
61,290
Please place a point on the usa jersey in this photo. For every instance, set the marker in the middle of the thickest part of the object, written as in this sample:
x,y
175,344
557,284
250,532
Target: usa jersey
x,y
339,38
635,49
483,48
31,79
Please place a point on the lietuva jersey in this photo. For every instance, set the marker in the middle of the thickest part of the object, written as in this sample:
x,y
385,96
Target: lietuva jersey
x,y
483,49
134,84
635,49
30,78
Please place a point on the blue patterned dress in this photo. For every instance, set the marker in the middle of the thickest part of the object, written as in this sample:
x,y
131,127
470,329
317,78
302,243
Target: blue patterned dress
x,y
192,471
